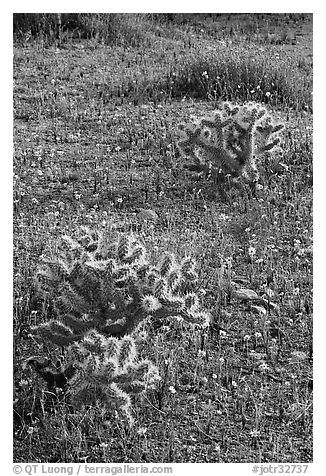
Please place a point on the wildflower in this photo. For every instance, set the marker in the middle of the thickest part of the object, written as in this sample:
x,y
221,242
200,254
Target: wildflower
x,y
172,389
214,376
228,261
201,353
258,335
31,430
234,384
246,338
268,94
104,445
263,367
270,293
142,431
254,433
221,359
223,334
251,251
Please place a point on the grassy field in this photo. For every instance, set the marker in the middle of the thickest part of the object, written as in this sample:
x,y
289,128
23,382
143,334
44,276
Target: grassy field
x,y
95,131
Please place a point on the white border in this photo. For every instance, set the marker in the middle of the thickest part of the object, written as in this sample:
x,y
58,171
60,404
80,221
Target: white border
x,y
319,197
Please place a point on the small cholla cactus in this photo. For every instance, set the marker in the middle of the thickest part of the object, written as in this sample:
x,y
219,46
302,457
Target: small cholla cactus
x,y
107,371
102,370
229,142
112,287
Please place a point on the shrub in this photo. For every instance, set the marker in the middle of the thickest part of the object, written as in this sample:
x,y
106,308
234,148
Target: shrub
x,y
239,74
110,28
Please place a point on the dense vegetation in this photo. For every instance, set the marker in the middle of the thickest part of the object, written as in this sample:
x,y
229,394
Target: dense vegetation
x,y
97,105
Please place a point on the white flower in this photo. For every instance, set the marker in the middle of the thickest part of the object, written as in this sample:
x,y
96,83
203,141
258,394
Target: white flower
x,y
172,389
104,445
142,431
263,367
251,251
270,293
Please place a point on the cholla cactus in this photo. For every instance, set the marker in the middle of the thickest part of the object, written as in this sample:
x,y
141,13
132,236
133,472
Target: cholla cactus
x,y
107,371
110,286
103,289
230,142
99,369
